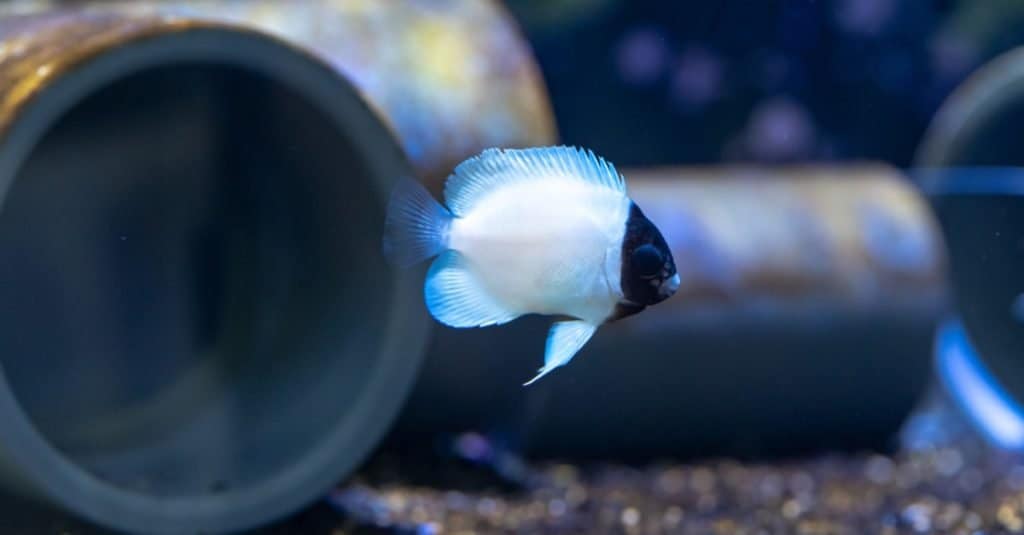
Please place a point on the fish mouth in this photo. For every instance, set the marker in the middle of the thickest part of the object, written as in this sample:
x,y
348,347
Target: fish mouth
x,y
669,287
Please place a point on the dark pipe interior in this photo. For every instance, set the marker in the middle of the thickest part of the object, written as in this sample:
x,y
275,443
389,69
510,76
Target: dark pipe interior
x,y
180,253
985,235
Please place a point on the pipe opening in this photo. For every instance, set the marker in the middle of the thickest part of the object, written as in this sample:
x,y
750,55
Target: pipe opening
x,y
181,251
982,213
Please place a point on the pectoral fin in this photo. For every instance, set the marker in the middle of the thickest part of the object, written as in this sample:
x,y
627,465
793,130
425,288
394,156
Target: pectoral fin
x,y
564,340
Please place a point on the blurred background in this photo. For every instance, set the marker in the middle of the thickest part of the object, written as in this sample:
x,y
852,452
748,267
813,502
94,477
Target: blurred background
x,y
838,180
654,83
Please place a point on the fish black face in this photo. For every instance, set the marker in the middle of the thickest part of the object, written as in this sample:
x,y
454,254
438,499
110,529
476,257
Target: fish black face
x,y
648,271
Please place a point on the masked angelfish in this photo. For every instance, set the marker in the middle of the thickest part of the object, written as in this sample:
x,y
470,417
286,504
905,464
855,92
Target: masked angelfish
x,y
532,231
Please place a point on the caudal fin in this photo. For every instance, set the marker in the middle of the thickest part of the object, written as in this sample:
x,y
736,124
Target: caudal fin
x,y
416,225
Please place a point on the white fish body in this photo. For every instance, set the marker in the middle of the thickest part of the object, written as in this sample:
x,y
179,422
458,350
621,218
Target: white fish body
x,y
573,233
532,231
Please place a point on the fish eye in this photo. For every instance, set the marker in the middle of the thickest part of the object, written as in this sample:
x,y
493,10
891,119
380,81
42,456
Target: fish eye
x,y
647,261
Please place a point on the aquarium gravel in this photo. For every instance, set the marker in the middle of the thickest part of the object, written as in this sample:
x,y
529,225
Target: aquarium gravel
x,y
934,491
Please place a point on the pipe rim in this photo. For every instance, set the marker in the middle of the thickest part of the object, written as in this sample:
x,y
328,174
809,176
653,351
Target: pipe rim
x,y
51,476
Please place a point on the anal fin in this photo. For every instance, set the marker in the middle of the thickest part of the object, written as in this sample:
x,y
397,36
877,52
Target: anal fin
x,y
565,339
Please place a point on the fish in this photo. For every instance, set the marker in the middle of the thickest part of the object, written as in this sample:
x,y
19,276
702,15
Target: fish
x,y
542,230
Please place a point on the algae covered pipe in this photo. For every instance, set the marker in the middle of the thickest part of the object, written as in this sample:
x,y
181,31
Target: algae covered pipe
x,y
196,333
449,78
857,236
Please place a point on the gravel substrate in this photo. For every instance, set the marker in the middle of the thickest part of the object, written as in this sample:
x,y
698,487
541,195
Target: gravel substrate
x,y
948,490
944,482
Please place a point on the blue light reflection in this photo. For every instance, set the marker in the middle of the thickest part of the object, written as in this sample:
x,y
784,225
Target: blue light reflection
x,y
973,387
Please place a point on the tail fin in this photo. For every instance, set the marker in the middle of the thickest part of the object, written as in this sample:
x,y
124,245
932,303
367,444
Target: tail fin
x,y
416,226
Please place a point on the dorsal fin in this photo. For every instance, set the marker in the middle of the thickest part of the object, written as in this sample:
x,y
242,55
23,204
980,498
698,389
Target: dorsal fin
x,y
492,168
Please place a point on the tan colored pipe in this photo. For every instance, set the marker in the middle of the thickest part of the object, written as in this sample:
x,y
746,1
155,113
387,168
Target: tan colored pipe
x,y
451,78
170,362
856,236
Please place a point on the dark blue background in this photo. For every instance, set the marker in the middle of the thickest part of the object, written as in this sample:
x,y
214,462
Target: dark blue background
x,y
656,82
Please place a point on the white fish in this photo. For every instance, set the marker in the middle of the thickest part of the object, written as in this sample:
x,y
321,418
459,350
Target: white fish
x,y
532,231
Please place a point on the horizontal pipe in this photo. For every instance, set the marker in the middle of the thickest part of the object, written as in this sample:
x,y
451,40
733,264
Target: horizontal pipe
x,y
449,78
856,237
200,333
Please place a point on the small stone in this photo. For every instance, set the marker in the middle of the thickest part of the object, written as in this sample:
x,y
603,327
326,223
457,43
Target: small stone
x,y
556,508
702,480
791,508
801,483
972,521
630,517
918,516
948,462
1009,517
878,470
949,516
671,481
672,517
